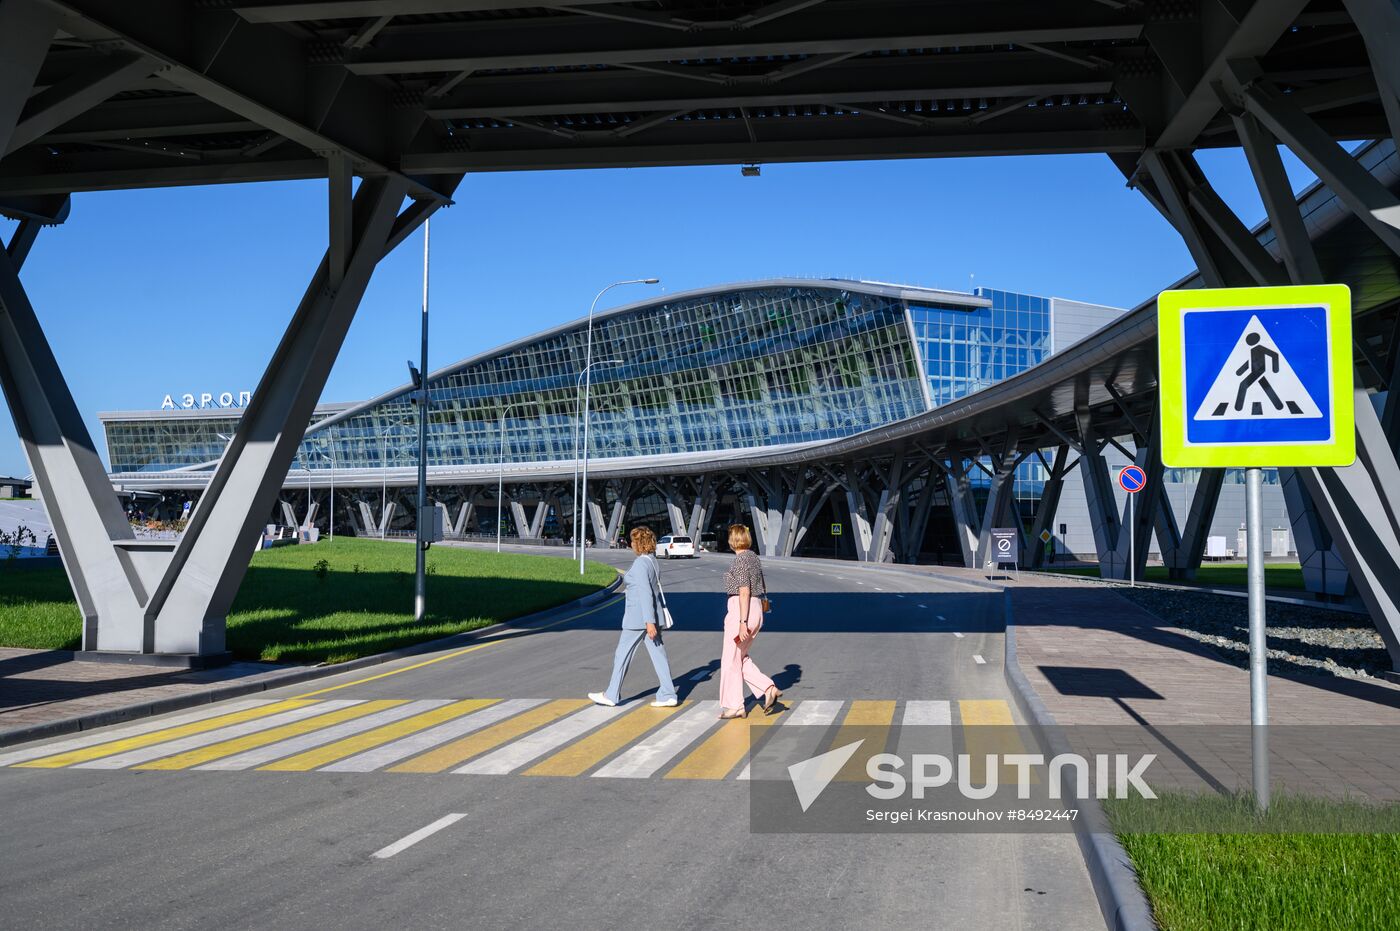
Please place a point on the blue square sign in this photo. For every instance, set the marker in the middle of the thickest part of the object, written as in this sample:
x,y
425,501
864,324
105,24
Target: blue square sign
x,y
1256,377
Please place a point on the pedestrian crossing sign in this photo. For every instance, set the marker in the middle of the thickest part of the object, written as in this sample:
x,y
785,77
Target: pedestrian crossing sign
x,y
1256,377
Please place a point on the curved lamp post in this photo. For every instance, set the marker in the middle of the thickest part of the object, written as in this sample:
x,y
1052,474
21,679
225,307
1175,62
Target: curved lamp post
x,y
501,477
587,386
578,385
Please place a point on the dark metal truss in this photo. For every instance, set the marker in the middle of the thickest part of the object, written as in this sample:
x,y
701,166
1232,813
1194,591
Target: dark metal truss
x,y
169,92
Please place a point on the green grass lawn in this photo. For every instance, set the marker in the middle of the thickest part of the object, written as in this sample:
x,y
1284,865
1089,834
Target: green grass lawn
x,y
362,603
1270,880
1277,576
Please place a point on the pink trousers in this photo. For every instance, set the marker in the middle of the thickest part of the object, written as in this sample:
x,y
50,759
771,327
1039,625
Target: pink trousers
x,y
735,666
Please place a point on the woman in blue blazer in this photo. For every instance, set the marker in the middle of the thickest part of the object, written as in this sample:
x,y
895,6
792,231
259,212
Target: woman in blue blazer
x,y
640,624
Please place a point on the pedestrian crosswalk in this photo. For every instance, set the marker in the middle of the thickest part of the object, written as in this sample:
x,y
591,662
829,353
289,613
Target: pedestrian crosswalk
x,y
518,736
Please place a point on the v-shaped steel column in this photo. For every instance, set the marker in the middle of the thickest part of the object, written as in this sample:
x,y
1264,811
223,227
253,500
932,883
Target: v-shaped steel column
x,y
168,597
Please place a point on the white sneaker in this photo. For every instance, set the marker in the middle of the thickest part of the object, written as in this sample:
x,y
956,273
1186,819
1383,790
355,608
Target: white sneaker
x,y
668,703
598,698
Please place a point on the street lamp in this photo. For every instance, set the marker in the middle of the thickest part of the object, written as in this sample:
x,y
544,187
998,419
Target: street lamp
x,y
330,444
384,469
579,521
420,588
587,386
501,477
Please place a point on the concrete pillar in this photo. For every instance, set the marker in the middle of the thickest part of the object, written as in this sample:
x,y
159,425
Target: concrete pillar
x,y
964,507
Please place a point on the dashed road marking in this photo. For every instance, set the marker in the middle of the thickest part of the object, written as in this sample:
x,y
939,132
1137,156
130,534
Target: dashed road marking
x,y
977,658
399,846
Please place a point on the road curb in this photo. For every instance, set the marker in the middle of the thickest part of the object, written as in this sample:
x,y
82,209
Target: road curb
x,y
1121,899
276,680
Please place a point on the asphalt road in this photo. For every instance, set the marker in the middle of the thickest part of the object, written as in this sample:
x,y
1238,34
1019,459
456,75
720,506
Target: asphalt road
x,y
175,846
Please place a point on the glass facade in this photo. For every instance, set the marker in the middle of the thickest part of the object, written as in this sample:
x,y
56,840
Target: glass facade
x,y
733,368
729,370
967,349
171,442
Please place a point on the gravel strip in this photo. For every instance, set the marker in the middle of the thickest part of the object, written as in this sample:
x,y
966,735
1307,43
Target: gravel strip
x,y
1300,639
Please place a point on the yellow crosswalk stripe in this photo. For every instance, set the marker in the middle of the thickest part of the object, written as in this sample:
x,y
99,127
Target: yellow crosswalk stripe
x,y
988,728
722,750
263,738
155,737
984,711
866,720
593,749
320,756
459,751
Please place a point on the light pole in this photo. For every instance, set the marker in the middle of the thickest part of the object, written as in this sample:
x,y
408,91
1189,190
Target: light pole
x,y
331,459
384,471
587,385
501,477
420,588
578,519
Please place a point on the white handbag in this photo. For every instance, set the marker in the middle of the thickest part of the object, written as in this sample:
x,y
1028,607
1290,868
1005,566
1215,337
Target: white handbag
x,y
663,619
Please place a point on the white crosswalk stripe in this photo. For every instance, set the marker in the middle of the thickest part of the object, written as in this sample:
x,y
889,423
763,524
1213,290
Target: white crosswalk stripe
x,y
107,734
645,758
798,732
814,712
195,741
260,755
391,753
927,729
532,746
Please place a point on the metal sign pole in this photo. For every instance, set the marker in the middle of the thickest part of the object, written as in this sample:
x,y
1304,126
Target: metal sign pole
x,y
1300,414
1132,540
1258,646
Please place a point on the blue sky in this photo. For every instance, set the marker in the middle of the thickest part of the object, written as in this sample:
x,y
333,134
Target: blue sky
x,y
145,293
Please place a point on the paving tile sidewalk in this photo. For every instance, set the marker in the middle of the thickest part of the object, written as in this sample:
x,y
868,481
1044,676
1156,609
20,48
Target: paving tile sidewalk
x,y
42,686
1096,658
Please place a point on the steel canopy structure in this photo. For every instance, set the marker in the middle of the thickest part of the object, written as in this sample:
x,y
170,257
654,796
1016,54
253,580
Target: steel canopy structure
x,y
184,92
103,94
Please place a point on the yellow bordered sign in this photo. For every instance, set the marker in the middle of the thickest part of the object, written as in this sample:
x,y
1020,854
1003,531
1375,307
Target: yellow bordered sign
x,y
1256,377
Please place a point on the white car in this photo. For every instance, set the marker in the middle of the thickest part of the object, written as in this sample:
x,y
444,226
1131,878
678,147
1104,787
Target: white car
x,y
669,547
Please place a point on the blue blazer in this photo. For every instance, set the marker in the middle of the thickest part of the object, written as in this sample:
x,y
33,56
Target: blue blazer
x,y
643,586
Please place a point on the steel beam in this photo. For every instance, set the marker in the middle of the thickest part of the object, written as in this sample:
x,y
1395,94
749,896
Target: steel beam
x,y
1103,505
26,29
1001,498
1192,547
573,43
186,612
98,547
1290,233
1362,511
57,105
258,11
1367,198
522,522
208,52
1256,31
964,507
1049,503
1378,21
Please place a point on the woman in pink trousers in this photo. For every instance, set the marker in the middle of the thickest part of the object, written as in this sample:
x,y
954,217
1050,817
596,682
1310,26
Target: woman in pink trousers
x,y
747,597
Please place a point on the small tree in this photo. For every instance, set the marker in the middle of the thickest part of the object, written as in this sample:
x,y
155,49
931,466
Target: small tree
x,y
13,542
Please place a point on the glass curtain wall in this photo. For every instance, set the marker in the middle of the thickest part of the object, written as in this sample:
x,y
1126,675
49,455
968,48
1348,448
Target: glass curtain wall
x,y
167,443
729,370
967,349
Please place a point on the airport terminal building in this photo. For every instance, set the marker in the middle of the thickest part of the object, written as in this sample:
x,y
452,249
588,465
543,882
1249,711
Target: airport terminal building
x,y
770,365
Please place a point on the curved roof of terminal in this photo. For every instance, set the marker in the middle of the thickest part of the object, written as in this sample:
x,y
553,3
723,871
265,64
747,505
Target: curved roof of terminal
x,y
913,294
1122,353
